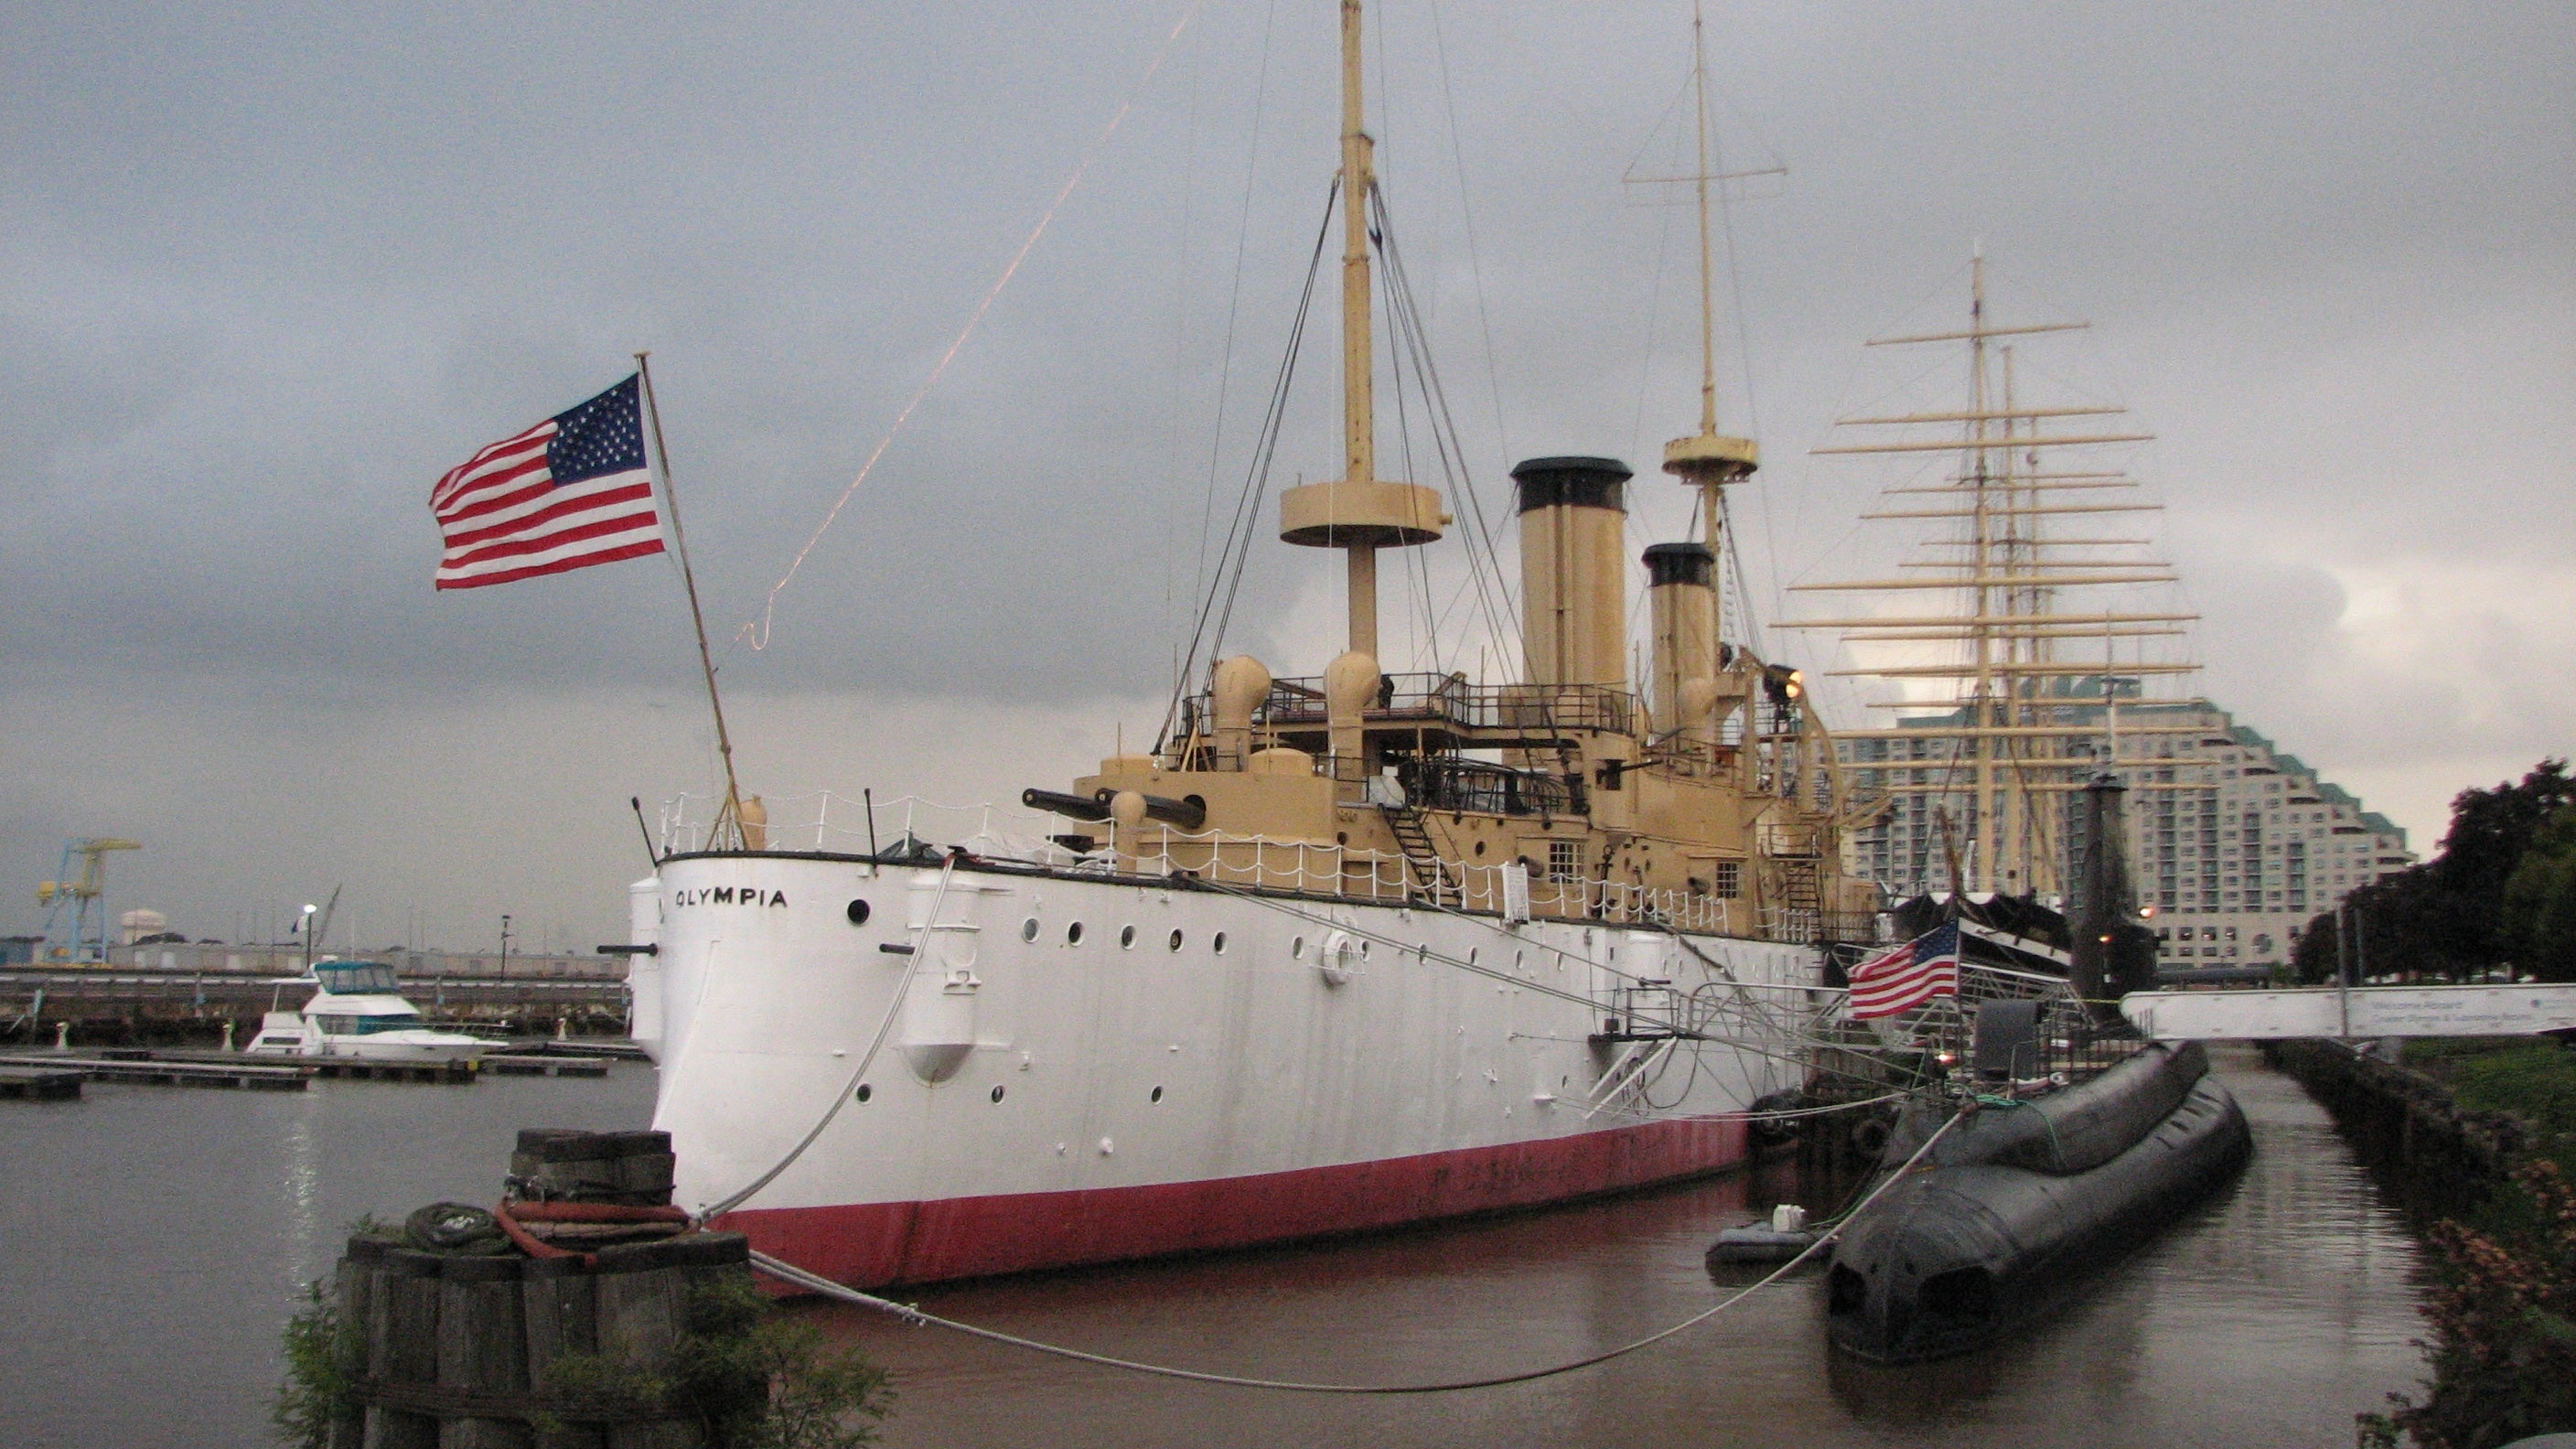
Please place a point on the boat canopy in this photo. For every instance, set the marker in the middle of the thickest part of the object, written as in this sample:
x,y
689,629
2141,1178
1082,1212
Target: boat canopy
x,y
346,978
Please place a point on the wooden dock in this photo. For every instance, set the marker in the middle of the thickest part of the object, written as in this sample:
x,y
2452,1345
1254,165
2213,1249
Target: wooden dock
x,y
234,1072
162,1067
542,1064
29,1085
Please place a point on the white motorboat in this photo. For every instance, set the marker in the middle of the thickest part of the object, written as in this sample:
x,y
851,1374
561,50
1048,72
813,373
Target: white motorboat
x,y
357,1011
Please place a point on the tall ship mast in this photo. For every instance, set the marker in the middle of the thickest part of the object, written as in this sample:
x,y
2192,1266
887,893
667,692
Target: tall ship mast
x,y
2009,643
1341,950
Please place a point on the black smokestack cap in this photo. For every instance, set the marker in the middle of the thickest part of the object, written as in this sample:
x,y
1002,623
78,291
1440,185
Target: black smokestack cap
x,y
1679,563
1574,482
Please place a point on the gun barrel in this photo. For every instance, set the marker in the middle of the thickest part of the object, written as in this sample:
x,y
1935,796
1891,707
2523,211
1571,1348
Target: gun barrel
x,y
1078,806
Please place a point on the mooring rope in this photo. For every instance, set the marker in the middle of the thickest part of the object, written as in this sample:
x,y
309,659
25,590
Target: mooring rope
x,y
790,1274
921,938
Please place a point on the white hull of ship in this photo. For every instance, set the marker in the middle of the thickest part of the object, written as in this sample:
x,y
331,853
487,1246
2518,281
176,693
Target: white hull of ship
x,y
1049,1096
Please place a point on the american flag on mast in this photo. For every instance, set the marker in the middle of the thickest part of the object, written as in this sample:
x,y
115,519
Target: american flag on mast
x,y
568,493
1908,976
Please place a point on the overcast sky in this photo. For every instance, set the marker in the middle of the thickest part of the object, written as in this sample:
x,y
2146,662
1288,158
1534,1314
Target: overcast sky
x,y
269,271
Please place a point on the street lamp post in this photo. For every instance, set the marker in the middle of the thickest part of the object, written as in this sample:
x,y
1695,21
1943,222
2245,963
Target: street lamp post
x,y
505,947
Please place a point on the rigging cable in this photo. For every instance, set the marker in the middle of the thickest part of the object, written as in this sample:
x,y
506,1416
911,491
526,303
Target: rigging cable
x,y
756,632
1234,305
1256,483
1474,968
794,1276
1475,267
1412,345
894,1008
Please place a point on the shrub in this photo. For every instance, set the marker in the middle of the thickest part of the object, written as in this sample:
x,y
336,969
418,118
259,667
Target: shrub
x,y
2504,1328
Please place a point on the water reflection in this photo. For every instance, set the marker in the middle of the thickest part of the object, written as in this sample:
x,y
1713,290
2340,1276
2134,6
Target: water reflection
x,y
301,1188
155,1238
2278,1309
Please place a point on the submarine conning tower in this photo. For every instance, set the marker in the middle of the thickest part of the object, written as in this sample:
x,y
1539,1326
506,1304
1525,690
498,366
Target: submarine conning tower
x,y
1574,607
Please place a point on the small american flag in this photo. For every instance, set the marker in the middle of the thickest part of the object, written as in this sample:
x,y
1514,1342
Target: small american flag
x,y
568,493
1908,976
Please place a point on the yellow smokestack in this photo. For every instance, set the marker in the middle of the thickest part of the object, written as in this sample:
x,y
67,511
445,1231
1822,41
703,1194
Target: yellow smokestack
x,y
1573,570
1682,609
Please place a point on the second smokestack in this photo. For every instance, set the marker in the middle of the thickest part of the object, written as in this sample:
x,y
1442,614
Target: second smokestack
x,y
1574,604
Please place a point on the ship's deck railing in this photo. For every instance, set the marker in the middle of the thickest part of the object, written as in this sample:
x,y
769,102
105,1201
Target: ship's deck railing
x,y
826,822
2071,1038
1298,704
1314,867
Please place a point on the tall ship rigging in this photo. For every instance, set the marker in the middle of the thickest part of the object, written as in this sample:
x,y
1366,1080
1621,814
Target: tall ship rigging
x,y
1341,951
2007,644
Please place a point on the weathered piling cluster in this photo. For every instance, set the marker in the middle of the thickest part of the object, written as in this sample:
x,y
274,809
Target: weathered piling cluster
x,y
566,1317
2437,1154
472,1351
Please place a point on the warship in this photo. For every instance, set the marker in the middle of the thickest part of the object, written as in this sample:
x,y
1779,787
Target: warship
x,y
1343,950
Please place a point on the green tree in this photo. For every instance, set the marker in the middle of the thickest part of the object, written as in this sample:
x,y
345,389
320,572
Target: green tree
x,y
2446,917
2540,901
2490,831
2319,950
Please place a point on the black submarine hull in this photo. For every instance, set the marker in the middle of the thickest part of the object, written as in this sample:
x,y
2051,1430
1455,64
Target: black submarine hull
x,y
2018,1203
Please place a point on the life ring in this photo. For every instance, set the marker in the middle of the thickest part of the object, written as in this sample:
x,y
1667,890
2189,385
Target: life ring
x,y
1337,959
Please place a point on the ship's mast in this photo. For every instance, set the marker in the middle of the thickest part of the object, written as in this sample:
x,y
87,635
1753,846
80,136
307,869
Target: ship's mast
x,y
1709,460
1981,816
1358,513
1359,347
1707,256
2004,747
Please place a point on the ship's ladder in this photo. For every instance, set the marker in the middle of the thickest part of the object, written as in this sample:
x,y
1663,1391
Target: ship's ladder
x,y
1799,857
1431,875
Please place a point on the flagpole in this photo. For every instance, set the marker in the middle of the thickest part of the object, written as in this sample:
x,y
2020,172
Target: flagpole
x,y
729,817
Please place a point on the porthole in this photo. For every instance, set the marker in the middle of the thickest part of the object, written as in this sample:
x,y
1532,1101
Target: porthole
x,y
1073,934
1341,837
1480,847
1297,949
866,1091
1175,942
1126,937
997,1092
1029,929
858,913
1471,955
1517,957
1364,950
1157,1095
1217,944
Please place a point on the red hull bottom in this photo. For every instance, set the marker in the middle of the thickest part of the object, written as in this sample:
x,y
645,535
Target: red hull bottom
x,y
871,1245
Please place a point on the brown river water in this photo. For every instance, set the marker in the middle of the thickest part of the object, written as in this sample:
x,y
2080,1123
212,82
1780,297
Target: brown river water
x,y
151,1241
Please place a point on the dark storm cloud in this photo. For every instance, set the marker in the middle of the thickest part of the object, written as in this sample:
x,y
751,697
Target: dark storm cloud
x,y
270,270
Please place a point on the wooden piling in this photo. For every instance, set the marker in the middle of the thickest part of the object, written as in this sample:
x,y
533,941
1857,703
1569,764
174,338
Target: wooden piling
x,y
462,1351
560,1306
628,1168
357,1281
402,1348
482,1352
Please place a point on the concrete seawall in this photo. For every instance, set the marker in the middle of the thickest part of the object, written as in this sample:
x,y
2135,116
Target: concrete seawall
x,y
2438,1156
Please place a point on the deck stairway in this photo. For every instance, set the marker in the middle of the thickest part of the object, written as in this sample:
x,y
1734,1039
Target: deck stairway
x,y
1799,857
1431,875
